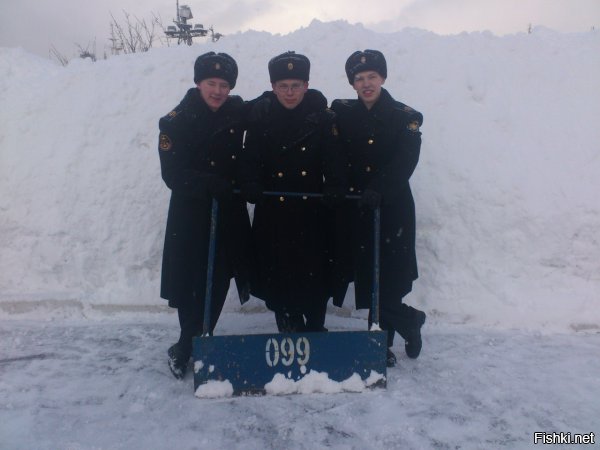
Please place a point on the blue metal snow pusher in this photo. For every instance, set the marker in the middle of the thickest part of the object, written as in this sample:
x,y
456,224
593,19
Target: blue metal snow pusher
x,y
252,363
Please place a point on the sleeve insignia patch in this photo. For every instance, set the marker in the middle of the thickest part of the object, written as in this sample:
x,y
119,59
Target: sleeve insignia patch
x,y
164,142
172,113
290,66
413,126
334,130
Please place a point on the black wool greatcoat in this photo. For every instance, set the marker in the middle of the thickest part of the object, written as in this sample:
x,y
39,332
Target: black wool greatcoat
x,y
195,144
292,151
382,146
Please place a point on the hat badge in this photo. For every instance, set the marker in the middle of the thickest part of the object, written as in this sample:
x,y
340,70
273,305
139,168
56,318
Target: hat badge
x,y
363,59
217,66
290,66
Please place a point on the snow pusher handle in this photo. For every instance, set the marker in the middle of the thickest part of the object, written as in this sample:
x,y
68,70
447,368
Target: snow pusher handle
x,y
212,250
212,244
376,241
375,291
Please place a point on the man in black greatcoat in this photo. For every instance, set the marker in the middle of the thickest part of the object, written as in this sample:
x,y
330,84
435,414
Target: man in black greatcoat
x,y
292,146
382,142
199,145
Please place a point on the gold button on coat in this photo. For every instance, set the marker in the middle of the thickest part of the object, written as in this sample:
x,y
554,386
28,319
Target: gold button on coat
x,y
370,141
303,173
368,168
281,199
280,174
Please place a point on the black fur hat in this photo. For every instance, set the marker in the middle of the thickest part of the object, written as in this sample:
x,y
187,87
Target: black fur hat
x,y
289,65
216,65
367,60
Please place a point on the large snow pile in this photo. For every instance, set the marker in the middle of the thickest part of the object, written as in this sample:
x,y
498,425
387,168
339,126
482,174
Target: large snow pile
x,y
506,189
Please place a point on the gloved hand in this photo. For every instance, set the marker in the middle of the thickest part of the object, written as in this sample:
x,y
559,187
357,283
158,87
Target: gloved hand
x,y
369,199
333,196
252,193
219,188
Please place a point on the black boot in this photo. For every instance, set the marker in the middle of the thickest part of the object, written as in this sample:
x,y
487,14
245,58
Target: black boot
x,y
412,338
178,360
390,359
290,323
315,317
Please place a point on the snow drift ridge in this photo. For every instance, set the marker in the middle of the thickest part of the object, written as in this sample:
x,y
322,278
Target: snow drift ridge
x,y
507,216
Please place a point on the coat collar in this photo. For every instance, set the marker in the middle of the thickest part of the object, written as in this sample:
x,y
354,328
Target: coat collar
x,y
383,104
196,107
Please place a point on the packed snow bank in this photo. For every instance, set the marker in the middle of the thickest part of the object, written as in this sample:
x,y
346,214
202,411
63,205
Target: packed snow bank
x,y
507,216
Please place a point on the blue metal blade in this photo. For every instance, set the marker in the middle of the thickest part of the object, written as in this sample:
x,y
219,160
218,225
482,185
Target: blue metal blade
x,y
250,362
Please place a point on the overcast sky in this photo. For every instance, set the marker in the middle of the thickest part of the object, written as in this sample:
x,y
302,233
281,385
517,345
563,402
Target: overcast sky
x,y
36,25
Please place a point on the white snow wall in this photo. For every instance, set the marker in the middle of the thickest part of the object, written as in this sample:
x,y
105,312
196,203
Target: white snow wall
x,y
506,188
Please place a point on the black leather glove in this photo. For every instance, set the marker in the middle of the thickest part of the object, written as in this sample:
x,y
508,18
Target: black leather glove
x,y
219,188
369,199
252,193
333,196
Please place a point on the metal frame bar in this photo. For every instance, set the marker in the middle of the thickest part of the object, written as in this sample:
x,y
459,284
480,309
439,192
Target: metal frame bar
x,y
212,252
212,245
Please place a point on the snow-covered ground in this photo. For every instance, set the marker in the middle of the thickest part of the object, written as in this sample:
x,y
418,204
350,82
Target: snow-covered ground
x,y
508,247
105,385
